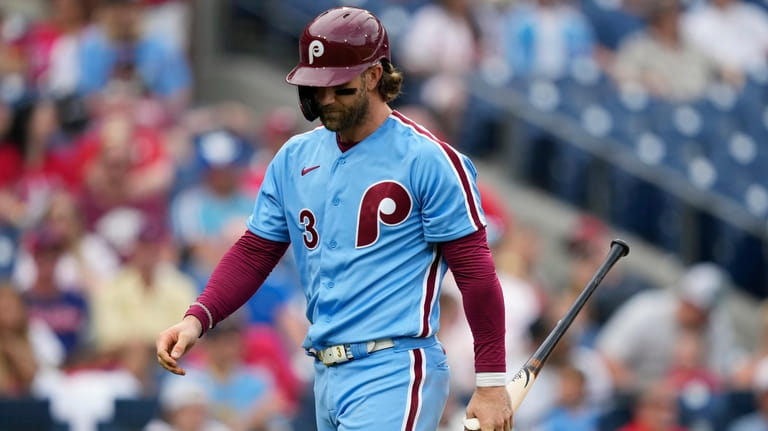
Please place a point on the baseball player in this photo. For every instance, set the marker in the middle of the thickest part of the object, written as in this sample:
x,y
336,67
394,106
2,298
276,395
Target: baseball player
x,y
377,209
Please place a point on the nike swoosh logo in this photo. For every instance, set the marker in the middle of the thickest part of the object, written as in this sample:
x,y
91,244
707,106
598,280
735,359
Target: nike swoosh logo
x,y
305,171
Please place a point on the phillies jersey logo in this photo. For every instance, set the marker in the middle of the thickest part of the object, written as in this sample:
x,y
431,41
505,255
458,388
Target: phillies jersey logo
x,y
386,202
316,49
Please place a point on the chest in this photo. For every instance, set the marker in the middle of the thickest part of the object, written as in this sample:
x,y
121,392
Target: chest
x,y
351,197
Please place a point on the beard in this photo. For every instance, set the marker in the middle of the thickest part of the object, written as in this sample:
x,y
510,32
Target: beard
x,y
338,119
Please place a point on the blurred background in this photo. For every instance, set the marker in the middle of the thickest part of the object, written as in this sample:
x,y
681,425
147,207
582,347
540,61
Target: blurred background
x,y
134,135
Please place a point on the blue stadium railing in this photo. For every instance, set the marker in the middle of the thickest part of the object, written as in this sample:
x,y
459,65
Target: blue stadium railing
x,y
689,177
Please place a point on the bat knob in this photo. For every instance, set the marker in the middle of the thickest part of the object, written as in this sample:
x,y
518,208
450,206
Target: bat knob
x,y
623,245
471,424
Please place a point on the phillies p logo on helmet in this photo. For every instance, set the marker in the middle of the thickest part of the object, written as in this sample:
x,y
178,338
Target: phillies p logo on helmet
x,y
316,49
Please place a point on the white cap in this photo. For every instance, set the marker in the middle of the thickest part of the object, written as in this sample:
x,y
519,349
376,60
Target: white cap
x,y
702,285
181,392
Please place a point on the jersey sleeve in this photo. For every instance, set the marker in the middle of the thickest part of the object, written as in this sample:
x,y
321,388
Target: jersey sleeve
x,y
268,217
446,182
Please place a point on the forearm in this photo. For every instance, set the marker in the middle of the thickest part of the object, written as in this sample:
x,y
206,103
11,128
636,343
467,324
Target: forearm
x,y
470,261
236,278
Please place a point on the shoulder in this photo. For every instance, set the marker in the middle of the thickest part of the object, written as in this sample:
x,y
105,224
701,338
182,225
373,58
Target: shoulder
x,y
419,140
648,305
304,142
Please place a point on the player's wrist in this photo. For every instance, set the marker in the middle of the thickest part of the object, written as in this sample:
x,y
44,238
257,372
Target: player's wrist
x,y
195,323
484,380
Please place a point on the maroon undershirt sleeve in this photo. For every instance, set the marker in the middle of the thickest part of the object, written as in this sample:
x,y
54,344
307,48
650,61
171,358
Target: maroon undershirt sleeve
x,y
470,261
236,278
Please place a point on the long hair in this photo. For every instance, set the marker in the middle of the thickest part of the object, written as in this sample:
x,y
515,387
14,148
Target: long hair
x,y
391,81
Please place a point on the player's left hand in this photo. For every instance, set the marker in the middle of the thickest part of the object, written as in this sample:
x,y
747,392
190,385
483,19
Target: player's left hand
x,y
491,406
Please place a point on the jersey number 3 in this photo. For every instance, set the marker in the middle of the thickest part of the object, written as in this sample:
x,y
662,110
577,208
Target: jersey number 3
x,y
386,202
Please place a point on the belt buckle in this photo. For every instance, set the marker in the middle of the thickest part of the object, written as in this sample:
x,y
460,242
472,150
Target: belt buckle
x,y
333,355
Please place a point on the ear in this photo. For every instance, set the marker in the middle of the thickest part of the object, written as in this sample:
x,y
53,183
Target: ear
x,y
374,73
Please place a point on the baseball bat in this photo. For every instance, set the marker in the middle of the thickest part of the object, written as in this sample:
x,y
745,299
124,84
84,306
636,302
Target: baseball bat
x,y
521,383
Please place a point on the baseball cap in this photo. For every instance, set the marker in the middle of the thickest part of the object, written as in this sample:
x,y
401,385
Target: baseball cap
x,y
702,285
220,148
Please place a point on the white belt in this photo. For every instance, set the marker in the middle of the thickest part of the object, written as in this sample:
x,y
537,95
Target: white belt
x,y
344,352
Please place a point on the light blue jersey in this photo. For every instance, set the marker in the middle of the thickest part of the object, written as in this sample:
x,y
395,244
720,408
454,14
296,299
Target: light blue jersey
x,y
364,226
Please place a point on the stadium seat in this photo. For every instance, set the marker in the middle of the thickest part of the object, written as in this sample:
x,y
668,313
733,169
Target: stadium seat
x,y
28,414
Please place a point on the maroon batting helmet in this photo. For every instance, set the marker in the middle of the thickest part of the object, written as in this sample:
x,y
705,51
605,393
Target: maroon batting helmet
x,y
336,46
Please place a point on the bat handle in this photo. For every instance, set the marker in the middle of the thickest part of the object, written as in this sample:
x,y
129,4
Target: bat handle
x,y
516,389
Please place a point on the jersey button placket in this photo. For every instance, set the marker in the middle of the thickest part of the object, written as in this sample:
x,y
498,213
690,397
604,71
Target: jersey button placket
x,y
332,244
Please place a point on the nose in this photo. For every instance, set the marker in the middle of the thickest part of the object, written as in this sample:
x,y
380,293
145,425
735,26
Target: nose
x,y
325,96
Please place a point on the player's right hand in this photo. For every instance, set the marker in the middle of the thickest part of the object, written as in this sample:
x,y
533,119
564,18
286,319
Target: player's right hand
x,y
175,341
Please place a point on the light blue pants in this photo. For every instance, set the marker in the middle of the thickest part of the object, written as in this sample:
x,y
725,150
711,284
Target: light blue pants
x,y
403,388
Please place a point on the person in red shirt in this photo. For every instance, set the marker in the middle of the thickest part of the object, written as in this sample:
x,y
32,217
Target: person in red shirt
x,y
655,409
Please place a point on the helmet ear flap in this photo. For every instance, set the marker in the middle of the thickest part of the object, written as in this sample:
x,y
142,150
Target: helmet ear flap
x,y
308,103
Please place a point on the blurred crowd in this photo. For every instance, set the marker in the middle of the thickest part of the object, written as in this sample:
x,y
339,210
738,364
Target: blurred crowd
x,y
119,193
671,49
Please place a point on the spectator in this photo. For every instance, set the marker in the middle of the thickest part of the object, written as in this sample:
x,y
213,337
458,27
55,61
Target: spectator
x,y
701,390
63,309
572,412
757,420
439,52
147,294
208,217
87,260
45,165
655,409
744,375
127,178
12,60
118,57
545,38
661,61
242,397
733,33
185,406
26,346
637,354
169,20
52,47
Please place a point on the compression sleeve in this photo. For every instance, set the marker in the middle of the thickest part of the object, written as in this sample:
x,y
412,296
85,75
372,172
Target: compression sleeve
x,y
236,278
470,261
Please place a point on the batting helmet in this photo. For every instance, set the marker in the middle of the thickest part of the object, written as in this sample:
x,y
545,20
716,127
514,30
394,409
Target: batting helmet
x,y
336,46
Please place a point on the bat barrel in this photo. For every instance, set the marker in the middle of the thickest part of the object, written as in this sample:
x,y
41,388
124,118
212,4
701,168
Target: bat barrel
x,y
619,249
